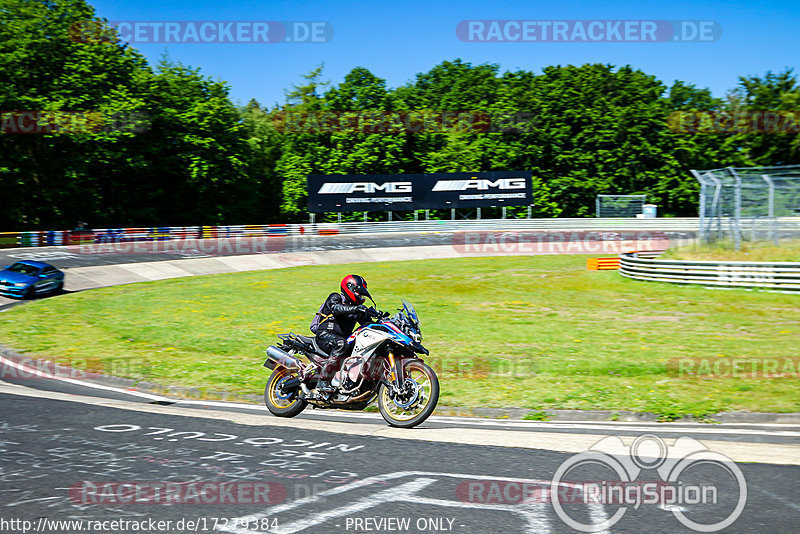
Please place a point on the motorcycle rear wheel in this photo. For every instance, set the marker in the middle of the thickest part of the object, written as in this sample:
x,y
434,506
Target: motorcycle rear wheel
x,y
279,403
428,395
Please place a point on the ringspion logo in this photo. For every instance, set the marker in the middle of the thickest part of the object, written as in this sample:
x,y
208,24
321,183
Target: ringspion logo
x,y
688,473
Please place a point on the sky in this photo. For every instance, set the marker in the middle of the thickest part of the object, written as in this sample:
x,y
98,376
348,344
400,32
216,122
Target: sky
x,y
398,40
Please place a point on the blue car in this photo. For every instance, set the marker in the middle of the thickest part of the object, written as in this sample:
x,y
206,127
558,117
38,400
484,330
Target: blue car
x,y
26,279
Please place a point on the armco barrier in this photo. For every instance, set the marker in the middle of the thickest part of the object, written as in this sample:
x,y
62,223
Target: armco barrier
x,y
9,239
29,239
774,276
688,224
788,225
164,233
80,237
675,224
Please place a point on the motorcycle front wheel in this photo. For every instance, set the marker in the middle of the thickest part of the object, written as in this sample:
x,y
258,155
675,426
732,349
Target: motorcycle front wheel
x,y
418,401
278,402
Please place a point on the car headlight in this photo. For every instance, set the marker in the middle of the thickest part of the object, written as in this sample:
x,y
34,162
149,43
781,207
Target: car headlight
x,y
20,284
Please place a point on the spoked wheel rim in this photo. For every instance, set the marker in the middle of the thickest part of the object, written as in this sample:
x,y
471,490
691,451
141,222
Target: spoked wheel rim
x,y
278,399
417,377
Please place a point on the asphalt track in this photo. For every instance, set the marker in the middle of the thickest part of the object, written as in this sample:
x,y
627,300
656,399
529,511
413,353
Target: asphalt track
x,y
65,257
69,446
69,454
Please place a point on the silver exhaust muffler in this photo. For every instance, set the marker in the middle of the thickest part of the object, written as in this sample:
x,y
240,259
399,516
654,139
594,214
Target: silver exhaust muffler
x,y
277,356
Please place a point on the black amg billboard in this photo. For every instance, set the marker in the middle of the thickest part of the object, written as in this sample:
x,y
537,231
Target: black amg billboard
x,y
395,192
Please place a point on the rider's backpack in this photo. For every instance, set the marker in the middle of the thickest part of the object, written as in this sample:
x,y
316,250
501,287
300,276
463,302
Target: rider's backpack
x,y
321,316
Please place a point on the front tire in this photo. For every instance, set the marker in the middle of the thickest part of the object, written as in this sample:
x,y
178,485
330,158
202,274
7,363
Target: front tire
x,y
420,406
278,403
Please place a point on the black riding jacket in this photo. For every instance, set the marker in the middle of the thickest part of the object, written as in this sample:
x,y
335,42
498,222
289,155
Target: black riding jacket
x,y
340,316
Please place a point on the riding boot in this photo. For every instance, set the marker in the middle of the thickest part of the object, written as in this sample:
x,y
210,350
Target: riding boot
x,y
325,375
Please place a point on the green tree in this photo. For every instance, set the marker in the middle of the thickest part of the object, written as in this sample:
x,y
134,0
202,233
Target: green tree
x,y
770,93
264,143
200,145
183,154
48,65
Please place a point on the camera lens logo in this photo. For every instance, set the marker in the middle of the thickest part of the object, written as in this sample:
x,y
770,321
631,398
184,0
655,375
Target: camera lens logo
x,y
692,478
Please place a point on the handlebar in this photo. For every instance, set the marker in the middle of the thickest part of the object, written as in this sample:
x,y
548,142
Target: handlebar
x,y
377,314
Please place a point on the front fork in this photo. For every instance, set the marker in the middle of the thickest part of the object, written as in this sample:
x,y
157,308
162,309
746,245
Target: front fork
x,y
396,374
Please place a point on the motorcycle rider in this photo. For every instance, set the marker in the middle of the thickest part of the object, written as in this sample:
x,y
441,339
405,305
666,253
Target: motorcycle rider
x,y
336,320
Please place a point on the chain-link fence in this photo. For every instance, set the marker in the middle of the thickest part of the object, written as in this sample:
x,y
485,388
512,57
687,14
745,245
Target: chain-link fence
x,y
749,203
619,205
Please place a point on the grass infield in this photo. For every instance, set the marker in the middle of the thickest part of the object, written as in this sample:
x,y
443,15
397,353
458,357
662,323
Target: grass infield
x,y
535,332
786,250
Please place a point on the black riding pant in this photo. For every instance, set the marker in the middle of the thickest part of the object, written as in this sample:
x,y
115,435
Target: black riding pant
x,y
336,346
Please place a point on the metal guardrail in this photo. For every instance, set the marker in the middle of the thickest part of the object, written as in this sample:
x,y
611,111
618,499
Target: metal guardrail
x,y
681,224
688,224
124,235
167,233
775,276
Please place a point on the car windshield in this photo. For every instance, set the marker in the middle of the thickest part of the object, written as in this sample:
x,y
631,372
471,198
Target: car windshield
x,y
411,312
24,268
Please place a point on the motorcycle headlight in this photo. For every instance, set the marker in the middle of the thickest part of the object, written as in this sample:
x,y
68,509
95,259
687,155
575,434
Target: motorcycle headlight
x,y
416,336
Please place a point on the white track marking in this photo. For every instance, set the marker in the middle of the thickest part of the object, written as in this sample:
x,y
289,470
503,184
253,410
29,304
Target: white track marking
x,y
533,514
610,426
50,376
598,514
398,493
780,499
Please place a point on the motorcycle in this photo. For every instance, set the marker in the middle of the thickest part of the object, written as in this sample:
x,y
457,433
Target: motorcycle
x,y
383,365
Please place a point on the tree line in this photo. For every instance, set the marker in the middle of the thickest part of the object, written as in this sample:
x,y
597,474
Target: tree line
x,y
91,131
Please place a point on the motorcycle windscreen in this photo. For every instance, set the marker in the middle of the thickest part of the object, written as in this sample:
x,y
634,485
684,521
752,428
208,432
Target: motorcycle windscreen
x,y
410,312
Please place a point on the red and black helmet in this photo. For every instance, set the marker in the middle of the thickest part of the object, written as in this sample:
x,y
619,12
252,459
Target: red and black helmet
x,y
354,287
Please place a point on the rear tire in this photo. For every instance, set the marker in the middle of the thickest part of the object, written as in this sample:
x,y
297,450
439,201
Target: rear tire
x,y
278,403
428,393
